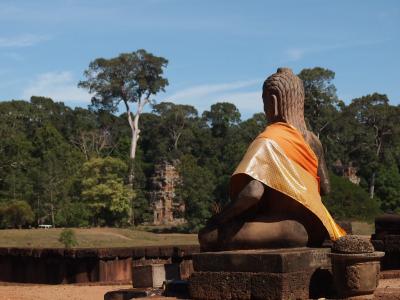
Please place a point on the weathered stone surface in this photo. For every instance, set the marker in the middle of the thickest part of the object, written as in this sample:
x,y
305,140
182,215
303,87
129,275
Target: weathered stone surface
x,y
355,274
388,223
247,285
57,265
127,294
272,260
162,196
153,276
392,243
352,244
177,288
387,238
186,268
297,273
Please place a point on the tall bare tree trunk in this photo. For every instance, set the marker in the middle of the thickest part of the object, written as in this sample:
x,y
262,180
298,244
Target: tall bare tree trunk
x,y
52,210
372,186
135,134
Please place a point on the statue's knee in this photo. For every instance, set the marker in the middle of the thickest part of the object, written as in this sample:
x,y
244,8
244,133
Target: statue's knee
x,y
294,233
208,238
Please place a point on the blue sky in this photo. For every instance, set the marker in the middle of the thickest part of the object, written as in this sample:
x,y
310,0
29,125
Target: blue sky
x,y
217,50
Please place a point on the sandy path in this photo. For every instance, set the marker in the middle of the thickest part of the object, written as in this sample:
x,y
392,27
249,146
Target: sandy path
x,y
56,292
388,289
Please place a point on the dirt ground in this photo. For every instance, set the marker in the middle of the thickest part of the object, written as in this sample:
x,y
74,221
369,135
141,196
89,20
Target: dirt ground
x,y
96,292
56,292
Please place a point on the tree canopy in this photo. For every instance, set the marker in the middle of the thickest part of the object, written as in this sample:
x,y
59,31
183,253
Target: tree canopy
x,y
70,167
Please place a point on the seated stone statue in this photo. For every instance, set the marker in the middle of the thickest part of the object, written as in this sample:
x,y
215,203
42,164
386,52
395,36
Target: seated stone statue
x,y
275,190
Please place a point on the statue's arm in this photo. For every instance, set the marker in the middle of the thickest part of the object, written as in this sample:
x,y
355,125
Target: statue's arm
x,y
323,174
249,196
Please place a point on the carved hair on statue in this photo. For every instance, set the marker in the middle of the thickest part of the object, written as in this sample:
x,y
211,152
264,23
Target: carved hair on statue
x,y
286,90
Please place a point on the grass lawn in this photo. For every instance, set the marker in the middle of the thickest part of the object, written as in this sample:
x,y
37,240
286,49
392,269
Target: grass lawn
x,y
363,228
93,237
113,237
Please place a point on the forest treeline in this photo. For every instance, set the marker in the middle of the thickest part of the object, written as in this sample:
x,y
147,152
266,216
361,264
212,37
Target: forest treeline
x,y
70,167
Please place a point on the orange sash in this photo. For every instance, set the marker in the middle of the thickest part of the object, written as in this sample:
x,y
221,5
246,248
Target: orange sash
x,y
281,159
293,144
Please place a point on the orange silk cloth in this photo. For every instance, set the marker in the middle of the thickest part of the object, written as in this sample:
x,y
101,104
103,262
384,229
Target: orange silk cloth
x,y
281,159
293,144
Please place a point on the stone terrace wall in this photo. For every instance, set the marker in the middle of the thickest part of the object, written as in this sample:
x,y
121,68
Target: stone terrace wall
x,y
111,265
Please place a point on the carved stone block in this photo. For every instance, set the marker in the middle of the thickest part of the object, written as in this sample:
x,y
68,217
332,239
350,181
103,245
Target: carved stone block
x,y
297,273
154,275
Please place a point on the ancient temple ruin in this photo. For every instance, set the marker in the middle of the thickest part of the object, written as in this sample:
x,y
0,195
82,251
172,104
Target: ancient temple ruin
x,y
163,198
347,171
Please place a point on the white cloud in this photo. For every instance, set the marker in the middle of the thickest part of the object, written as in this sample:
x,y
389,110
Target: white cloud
x,y
203,96
20,41
60,86
246,102
13,56
209,89
295,53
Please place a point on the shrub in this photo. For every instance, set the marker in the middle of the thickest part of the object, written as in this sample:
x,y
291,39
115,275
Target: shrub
x,y
68,238
16,213
349,201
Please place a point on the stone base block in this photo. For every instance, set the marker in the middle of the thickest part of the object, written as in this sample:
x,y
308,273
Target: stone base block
x,y
270,261
246,285
297,273
154,275
390,244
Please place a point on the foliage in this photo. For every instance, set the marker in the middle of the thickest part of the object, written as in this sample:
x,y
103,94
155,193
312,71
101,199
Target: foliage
x,y
16,214
387,187
348,201
68,238
221,117
196,190
104,191
73,167
321,102
377,134
127,78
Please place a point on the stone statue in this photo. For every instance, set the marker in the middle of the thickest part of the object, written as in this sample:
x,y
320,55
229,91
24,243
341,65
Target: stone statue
x,y
275,190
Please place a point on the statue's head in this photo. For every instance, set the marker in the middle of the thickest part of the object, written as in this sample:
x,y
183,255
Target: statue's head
x,y
283,96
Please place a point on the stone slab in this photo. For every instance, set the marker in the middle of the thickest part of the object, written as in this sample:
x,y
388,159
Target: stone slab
x,y
390,244
296,273
258,261
246,285
153,276
127,294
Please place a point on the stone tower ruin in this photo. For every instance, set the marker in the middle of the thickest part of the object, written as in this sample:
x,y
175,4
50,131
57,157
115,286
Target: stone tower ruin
x,y
162,195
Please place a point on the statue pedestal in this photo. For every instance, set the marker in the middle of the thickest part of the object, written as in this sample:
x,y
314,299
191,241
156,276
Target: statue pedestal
x,y
293,273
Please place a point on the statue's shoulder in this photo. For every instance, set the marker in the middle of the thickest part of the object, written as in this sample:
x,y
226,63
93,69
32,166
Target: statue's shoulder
x,y
314,142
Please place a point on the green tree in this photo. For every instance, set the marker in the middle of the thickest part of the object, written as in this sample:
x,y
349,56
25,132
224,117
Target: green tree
x,y
58,163
105,192
252,127
15,214
388,187
349,201
321,102
73,214
378,122
221,117
129,78
176,120
196,190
